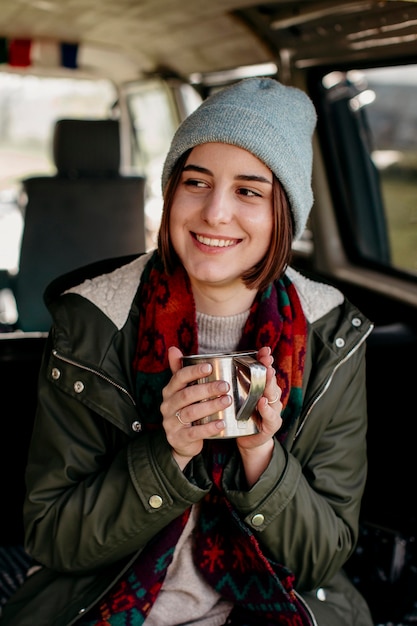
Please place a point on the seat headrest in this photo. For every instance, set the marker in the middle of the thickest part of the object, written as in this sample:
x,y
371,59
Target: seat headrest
x,y
87,148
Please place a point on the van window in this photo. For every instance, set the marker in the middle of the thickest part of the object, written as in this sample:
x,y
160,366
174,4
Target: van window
x,y
368,122
392,118
29,108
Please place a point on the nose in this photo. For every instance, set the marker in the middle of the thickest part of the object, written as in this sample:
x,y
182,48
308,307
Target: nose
x,y
217,208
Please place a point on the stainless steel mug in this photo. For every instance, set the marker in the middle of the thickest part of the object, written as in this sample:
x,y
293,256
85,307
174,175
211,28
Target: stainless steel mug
x,y
246,377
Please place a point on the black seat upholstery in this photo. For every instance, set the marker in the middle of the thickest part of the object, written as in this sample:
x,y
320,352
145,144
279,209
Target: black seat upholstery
x,y
86,212
20,359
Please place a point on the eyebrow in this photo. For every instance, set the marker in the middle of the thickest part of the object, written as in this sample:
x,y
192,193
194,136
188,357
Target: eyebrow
x,y
245,177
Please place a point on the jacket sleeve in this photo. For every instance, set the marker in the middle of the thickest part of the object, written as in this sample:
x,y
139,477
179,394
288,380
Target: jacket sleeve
x,y
305,508
95,494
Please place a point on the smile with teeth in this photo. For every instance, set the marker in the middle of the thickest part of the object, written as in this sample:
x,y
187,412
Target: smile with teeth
x,y
217,243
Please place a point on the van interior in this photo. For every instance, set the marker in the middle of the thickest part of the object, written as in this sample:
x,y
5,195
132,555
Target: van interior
x,y
90,95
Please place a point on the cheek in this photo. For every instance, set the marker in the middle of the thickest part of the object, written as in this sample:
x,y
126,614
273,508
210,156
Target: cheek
x,y
177,219
260,222
262,227
175,212
173,225
182,206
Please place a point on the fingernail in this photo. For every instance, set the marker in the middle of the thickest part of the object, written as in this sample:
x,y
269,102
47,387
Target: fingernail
x,y
220,424
225,400
206,368
223,386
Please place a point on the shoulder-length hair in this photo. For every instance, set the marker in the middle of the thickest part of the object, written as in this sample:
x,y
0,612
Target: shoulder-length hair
x,y
276,259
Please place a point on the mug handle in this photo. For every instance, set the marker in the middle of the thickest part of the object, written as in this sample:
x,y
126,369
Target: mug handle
x,y
256,373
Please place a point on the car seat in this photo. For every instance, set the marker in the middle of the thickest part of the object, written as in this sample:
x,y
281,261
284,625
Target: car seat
x,y
86,212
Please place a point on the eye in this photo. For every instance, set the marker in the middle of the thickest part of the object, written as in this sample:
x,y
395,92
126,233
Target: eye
x,y
194,182
249,193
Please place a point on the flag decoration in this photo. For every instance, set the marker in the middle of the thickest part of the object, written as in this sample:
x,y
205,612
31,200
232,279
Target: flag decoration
x,y
3,50
19,52
69,53
24,52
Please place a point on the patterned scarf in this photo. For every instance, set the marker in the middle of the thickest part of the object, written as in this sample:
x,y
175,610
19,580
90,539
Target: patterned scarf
x,y
225,550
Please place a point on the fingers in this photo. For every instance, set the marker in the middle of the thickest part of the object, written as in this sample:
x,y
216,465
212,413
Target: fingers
x,y
269,406
275,400
194,411
264,356
185,403
174,358
185,438
272,393
184,375
178,416
179,394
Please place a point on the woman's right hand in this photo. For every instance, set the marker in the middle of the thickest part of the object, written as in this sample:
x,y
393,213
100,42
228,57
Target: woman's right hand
x,y
182,404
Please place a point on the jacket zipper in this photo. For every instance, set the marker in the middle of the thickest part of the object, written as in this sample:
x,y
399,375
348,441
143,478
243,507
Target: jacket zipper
x,y
84,611
96,372
307,609
329,380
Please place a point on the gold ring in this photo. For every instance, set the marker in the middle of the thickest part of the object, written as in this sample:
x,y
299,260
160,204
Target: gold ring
x,y
178,416
269,402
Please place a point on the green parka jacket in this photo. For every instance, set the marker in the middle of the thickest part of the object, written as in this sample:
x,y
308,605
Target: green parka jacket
x,y
99,488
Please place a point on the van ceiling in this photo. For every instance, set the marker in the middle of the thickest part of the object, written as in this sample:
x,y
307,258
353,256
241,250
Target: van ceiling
x,y
125,39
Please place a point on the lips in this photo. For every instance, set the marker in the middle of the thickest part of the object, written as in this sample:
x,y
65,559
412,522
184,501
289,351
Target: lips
x,y
215,243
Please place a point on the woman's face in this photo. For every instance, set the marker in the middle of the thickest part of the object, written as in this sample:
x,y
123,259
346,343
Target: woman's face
x,y
221,217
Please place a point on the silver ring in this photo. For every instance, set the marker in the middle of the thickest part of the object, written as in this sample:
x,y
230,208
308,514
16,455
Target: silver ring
x,y
269,402
178,416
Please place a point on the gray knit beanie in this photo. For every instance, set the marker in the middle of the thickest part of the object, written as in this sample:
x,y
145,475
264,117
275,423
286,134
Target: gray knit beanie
x,y
272,121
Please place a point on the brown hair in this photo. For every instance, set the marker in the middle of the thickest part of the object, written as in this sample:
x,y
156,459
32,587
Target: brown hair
x,y
275,261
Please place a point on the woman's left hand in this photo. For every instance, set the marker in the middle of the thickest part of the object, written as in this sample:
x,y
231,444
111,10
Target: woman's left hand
x,y
256,450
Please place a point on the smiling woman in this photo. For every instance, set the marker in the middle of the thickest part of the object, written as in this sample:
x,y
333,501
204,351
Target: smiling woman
x,y
166,489
145,68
